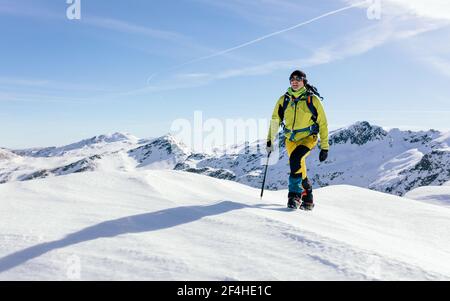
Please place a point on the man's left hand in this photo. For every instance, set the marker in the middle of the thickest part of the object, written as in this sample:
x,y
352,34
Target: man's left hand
x,y
323,155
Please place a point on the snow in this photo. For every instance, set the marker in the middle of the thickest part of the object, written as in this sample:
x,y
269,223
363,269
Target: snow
x,y
444,138
160,153
6,155
389,172
86,147
54,161
173,225
439,195
361,154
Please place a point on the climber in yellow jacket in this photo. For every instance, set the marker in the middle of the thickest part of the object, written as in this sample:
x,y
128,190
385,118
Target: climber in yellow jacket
x,y
303,118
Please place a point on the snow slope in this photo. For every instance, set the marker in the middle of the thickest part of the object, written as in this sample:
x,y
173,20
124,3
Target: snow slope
x,y
174,225
439,195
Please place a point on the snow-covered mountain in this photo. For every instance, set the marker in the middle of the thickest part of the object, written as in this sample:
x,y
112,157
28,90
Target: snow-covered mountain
x,y
362,154
6,155
390,161
92,145
87,155
160,153
173,225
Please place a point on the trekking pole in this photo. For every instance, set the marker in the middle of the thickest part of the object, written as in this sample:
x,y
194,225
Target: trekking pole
x,y
265,173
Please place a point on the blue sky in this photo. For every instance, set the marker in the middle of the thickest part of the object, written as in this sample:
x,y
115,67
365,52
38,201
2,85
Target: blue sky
x,y
122,66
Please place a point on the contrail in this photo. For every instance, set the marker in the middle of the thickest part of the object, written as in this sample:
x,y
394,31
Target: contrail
x,y
265,36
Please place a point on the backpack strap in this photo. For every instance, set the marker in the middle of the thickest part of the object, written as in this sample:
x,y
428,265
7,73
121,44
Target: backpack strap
x,y
282,109
287,98
309,103
312,108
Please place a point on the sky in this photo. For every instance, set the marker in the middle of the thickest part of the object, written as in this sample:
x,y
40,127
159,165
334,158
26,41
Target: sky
x,y
138,66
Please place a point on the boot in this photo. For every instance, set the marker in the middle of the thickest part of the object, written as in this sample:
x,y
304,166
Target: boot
x,y
307,201
307,196
294,200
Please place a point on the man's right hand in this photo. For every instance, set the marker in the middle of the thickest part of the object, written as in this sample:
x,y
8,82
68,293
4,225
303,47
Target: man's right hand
x,y
269,146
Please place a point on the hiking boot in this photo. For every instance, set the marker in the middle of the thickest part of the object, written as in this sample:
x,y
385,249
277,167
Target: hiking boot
x,y
294,201
307,201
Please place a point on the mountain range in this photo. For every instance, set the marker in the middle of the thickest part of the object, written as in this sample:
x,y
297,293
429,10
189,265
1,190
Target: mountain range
x,y
364,155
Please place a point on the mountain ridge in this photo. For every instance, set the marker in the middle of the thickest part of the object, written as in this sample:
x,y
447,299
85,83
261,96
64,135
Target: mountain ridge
x,y
361,154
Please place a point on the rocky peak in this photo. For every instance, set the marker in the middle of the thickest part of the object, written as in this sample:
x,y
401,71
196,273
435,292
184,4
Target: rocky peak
x,y
359,133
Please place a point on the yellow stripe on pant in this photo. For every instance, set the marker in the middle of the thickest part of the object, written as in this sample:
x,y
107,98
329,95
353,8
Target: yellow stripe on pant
x,y
310,142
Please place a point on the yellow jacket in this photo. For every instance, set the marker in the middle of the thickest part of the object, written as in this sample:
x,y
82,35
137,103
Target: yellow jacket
x,y
298,116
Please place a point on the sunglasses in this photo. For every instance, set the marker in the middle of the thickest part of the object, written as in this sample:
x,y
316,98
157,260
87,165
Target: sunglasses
x,y
296,78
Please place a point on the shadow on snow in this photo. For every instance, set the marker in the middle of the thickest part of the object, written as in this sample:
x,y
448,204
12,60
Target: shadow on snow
x,y
146,222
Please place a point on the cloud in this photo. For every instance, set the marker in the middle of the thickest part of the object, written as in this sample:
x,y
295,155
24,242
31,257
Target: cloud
x,y
259,11
27,10
44,90
121,26
270,35
39,98
23,82
354,44
438,63
47,84
432,9
126,27
435,9
164,35
390,28
387,30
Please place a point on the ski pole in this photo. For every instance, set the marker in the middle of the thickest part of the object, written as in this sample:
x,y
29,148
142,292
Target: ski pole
x,y
265,173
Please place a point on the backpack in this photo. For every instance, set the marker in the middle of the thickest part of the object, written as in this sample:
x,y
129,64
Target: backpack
x,y
314,129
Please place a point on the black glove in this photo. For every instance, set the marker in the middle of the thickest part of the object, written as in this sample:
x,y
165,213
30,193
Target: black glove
x,y
269,147
323,155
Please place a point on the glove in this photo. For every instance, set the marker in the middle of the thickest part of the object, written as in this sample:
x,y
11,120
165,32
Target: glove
x,y
323,155
269,146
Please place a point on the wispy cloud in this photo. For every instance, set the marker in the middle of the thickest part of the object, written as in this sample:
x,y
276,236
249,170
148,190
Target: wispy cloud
x,y
354,44
438,63
270,35
47,84
28,90
264,12
187,43
23,82
382,32
40,98
111,24
30,9
436,9
127,27
172,37
39,12
432,9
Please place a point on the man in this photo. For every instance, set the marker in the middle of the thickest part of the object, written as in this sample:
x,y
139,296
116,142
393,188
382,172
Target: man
x,y
301,113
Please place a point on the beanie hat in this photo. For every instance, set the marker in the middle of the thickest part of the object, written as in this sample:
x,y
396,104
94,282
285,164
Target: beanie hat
x,y
298,73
